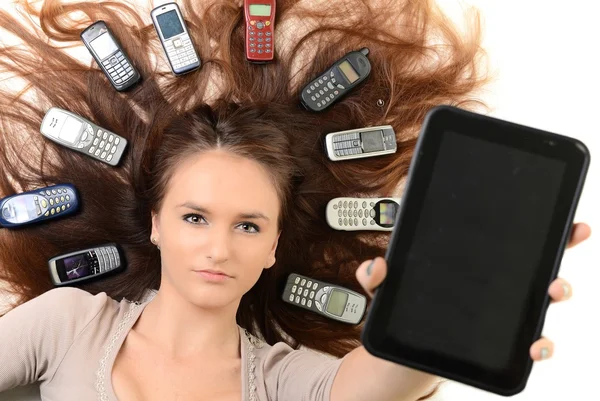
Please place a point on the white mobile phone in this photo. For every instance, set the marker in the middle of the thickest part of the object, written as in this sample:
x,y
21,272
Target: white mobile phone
x,y
85,264
329,300
354,214
361,142
77,133
175,38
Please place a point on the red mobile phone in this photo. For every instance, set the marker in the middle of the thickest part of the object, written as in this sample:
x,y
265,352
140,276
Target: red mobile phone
x,y
260,29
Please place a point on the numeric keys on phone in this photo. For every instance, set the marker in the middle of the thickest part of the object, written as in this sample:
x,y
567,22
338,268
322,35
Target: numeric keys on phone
x,y
105,145
355,213
261,40
303,291
324,89
118,68
181,51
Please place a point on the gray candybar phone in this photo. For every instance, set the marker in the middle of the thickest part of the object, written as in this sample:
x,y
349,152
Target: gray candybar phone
x,y
360,143
110,56
175,38
85,264
335,302
339,79
77,133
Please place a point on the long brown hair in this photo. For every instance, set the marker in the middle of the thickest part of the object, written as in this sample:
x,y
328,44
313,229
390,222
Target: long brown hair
x,y
419,58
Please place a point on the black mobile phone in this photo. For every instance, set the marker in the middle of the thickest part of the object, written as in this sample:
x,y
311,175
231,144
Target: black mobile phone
x,y
85,264
339,79
486,215
110,56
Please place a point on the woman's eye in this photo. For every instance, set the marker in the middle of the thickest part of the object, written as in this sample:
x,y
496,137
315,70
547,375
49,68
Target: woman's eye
x,y
250,228
193,218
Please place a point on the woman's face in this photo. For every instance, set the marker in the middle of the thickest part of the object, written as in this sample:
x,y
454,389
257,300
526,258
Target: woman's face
x,y
219,213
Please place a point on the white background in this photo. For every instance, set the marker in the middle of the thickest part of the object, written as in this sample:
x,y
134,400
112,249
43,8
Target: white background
x,y
544,55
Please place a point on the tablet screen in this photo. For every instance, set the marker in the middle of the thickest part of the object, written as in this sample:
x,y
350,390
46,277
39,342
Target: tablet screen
x,y
477,244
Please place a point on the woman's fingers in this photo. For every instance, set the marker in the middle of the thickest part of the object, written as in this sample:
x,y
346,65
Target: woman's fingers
x,y
560,290
580,233
370,274
541,349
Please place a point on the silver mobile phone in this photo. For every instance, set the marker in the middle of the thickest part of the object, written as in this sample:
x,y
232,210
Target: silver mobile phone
x,y
110,56
77,133
329,300
85,264
360,143
355,214
175,38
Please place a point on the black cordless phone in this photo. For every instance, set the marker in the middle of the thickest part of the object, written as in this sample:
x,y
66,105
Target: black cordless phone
x,y
110,56
331,85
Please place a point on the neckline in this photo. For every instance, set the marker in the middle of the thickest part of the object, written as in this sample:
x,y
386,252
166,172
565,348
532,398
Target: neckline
x,y
104,384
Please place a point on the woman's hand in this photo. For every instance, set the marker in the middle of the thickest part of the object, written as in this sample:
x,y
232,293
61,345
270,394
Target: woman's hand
x,y
370,275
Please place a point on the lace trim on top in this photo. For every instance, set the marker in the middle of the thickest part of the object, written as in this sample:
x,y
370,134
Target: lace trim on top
x,y
103,372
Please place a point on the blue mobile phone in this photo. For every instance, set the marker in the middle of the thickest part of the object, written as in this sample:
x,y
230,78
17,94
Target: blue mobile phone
x,y
38,205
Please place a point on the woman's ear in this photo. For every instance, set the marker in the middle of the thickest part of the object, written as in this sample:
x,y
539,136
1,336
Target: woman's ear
x,y
271,258
155,222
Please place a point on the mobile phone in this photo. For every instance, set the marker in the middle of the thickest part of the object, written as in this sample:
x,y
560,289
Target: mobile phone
x,y
355,214
485,217
260,30
110,56
332,301
77,133
361,142
175,38
85,264
339,79
38,205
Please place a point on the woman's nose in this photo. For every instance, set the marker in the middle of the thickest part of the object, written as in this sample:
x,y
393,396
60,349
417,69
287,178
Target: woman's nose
x,y
219,244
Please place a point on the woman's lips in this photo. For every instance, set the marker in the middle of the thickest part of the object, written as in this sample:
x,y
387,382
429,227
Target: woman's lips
x,y
212,275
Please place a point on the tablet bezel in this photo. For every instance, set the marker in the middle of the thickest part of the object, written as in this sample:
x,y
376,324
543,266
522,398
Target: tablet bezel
x,y
443,119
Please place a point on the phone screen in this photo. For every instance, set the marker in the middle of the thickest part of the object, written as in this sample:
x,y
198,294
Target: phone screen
x,y
337,302
387,214
468,268
260,10
349,72
372,141
104,45
75,267
63,126
20,209
169,24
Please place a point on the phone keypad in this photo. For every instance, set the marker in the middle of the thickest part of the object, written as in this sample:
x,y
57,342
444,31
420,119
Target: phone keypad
x,y
324,90
303,292
357,214
260,39
119,69
181,51
106,258
347,144
104,146
53,202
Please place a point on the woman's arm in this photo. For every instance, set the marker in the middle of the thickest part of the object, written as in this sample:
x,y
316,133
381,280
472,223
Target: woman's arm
x,y
363,377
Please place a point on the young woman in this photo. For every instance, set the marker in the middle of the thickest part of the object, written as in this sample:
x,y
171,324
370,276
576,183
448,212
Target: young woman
x,y
219,199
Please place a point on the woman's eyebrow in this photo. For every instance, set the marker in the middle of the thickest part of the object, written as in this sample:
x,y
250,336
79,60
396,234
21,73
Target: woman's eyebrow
x,y
200,209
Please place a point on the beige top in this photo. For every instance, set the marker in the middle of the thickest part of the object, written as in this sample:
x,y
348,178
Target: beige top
x,y
68,340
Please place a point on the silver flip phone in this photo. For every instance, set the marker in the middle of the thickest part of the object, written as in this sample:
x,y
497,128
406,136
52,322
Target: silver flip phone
x,y
360,143
77,133
329,300
85,264
175,38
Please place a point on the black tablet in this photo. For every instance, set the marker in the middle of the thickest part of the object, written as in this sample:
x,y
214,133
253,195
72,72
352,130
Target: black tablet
x,y
482,227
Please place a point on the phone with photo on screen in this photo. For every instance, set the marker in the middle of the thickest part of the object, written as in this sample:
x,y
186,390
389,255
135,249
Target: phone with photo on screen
x,y
110,56
175,38
85,264
485,217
